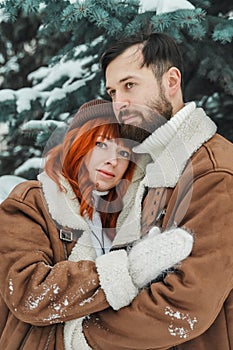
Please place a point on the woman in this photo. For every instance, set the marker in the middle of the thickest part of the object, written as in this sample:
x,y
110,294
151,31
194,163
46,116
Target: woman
x,y
97,162
42,220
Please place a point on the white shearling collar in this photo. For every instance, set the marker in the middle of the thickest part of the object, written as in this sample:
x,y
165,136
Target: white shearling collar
x,y
63,206
172,145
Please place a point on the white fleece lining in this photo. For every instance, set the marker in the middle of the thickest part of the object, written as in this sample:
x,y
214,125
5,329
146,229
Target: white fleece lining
x,y
63,208
73,332
115,279
130,229
74,337
83,249
172,145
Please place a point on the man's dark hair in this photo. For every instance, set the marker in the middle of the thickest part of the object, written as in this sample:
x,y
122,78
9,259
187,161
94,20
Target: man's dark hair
x,y
160,52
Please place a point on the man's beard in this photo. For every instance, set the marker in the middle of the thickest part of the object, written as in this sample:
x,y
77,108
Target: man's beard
x,y
153,115
135,133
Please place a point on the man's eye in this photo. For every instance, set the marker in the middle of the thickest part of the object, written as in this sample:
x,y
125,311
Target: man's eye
x,y
125,154
129,85
111,93
100,144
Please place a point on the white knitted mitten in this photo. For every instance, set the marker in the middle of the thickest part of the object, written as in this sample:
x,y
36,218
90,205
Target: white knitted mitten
x,y
156,253
121,275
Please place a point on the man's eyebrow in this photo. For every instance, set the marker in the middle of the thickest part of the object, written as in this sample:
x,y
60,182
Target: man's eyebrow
x,y
122,81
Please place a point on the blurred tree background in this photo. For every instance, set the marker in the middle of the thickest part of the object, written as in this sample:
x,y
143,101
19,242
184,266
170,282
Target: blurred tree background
x,y
49,63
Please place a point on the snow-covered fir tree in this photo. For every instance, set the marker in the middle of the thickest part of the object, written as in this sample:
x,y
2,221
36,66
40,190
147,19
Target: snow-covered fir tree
x,y
49,63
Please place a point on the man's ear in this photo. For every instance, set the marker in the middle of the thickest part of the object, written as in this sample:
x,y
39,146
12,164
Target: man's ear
x,y
173,80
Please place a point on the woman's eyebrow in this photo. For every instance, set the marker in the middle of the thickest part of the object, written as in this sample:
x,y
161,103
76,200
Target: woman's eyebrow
x,y
108,138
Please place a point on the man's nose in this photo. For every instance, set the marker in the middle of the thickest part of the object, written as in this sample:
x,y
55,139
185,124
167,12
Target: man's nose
x,y
119,106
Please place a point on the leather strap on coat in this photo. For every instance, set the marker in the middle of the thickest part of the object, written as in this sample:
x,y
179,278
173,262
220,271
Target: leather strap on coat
x,y
154,208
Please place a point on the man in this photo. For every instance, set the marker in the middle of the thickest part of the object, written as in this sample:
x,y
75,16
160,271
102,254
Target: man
x,y
189,183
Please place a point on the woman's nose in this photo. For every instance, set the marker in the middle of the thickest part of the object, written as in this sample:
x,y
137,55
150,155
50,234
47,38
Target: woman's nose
x,y
112,160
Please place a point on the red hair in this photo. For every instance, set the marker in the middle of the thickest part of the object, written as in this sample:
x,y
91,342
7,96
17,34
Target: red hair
x,y
68,159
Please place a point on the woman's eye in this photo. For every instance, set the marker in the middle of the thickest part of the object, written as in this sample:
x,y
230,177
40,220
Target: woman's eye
x,y
125,154
100,144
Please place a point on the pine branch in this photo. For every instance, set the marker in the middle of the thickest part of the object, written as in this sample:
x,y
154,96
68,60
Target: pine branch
x,y
223,32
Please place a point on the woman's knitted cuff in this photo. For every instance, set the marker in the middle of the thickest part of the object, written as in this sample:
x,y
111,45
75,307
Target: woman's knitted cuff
x,y
115,279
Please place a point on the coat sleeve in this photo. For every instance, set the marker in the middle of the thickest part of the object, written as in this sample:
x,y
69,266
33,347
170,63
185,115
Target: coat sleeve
x,y
37,286
187,301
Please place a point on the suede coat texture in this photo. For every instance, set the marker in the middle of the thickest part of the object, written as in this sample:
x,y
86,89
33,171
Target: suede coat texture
x,y
189,309
40,290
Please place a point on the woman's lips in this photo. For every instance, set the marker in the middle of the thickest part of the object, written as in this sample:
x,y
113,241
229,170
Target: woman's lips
x,y
105,173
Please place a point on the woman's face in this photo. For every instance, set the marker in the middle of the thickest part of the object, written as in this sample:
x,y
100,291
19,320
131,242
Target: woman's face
x,y
107,163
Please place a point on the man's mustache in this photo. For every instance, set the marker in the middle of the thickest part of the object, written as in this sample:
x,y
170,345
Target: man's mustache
x,y
157,119
127,112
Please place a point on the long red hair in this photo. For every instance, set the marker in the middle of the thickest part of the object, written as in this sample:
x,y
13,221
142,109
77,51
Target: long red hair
x,y
68,159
